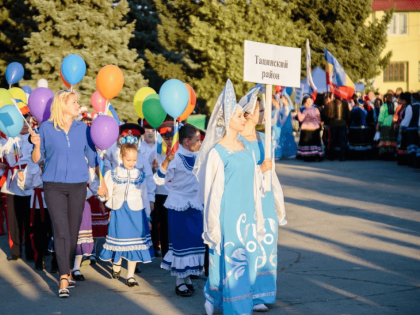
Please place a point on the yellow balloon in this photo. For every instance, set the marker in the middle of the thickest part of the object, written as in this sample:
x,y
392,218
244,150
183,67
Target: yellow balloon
x,y
5,98
18,94
110,114
139,99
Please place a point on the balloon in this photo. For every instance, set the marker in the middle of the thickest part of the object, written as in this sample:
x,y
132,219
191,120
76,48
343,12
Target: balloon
x,y
110,81
27,89
73,69
191,103
289,90
174,97
19,95
98,102
5,98
11,121
40,102
42,83
139,99
104,132
153,111
14,73
64,80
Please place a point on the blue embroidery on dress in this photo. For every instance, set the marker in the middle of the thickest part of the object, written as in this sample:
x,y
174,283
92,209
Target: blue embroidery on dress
x,y
188,161
125,180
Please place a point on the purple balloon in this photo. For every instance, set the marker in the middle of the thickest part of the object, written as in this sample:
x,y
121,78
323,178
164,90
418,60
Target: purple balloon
x,y
104,132
40,102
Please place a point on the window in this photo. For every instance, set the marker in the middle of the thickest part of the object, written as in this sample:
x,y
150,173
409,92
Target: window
x,y
398,24
396,72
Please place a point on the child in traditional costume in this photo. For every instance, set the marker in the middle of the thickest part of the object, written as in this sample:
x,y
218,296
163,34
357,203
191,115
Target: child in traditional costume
x,y
128,231
264,289
185,257
233,220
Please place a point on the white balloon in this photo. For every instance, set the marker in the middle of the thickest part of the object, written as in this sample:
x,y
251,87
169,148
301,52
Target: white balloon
x,y
43,83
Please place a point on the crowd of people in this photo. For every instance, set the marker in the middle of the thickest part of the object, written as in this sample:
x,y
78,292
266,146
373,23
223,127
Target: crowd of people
x,y
61,195
368,126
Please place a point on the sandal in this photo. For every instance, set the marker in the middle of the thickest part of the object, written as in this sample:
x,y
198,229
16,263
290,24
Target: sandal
x,y
131,283
191,287
116,274
64,292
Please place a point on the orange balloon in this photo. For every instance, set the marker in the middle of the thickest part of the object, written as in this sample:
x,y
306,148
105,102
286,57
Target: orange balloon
x,y
64,80
109,81
191,103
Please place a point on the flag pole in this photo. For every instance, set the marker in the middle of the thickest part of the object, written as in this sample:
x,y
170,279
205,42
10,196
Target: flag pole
x,y
268,142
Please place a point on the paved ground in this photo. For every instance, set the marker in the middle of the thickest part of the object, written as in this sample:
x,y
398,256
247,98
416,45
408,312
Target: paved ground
x,y
351,247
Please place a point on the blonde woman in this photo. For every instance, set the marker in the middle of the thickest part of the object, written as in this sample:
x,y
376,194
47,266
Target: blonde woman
x,y
64,143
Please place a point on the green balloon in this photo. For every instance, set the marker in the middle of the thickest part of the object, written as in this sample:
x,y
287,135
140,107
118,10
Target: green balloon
x,y
152,110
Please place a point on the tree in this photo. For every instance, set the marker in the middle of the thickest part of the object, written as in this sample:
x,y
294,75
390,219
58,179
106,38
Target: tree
x,y
344,28
16,24
98,31
208,37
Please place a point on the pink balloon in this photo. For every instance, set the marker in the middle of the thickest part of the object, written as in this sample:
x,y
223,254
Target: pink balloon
x,y
98,102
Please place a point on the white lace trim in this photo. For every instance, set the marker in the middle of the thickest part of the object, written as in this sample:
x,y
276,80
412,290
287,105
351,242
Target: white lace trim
x,y
181,204
182,274
170,261
85,240
102,222
127,248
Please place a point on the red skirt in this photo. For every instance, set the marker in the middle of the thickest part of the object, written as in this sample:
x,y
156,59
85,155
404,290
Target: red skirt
x,y
100,218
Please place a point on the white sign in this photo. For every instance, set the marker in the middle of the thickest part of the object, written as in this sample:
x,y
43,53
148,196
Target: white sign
x,y
299,94
272,64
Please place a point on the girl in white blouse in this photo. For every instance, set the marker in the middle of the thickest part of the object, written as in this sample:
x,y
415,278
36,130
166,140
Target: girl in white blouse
x,y
186,247
128,231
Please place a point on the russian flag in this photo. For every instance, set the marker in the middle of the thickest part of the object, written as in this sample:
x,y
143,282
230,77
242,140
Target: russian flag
x,y
340,83
162,148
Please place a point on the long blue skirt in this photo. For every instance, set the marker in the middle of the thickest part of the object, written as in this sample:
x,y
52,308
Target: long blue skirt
x,y
186,247
128,237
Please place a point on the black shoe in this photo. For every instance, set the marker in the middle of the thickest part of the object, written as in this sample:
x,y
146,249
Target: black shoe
x,y
92,260
78,277
131,284
13,257
185,293
137,270
194,277
191,286
115,274
39,265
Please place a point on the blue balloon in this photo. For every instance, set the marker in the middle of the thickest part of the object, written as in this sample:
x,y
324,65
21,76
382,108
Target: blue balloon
x,y
174,97
27,89
73,69
11,121
14,73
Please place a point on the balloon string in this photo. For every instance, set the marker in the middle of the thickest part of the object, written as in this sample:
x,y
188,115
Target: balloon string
x,y
10,86
106,107
71,88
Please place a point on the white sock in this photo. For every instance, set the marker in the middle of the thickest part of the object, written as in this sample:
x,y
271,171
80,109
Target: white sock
x,y
131,266
115,267
180,281
188,280
77,263
209,308
260,308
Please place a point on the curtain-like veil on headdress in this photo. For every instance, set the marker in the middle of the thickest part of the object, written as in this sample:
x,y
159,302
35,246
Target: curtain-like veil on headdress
x,y
249,100
217,127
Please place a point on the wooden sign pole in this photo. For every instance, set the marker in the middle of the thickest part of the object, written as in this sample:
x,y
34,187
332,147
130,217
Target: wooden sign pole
x,y
268,143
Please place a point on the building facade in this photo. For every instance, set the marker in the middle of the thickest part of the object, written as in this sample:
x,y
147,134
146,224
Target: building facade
x,y
404,42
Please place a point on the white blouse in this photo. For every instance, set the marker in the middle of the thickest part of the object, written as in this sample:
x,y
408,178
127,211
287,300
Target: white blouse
x,y
126,185
181,183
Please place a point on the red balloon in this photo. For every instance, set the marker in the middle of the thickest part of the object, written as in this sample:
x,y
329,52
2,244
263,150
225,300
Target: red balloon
x,y
98,102
64,81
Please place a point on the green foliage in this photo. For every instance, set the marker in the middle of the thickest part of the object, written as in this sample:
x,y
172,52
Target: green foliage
x,y
16,23
96,30
343,27
207,38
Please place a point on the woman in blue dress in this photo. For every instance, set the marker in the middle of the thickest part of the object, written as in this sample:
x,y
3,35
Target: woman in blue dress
x,y
265,289
287,140
233,220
